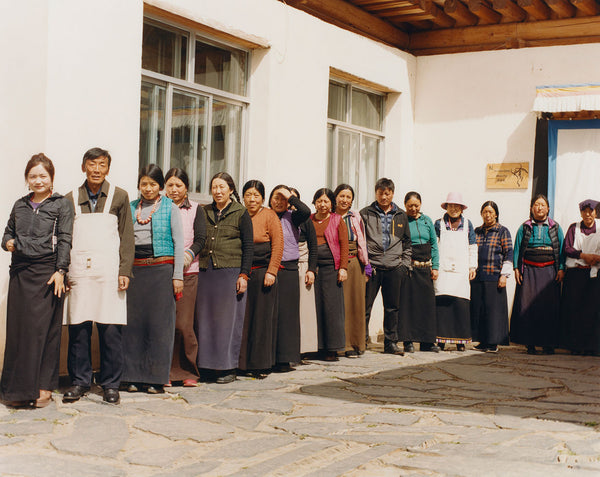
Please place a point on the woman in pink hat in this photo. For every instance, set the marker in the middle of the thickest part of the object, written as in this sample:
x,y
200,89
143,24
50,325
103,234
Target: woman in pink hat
x,y
458,264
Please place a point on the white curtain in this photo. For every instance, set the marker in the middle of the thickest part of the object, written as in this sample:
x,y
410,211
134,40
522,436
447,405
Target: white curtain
x,y
577,172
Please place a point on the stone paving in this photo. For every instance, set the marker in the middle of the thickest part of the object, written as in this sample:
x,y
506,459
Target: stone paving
x,y
424,414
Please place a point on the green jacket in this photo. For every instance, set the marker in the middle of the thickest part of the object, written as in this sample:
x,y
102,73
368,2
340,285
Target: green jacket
x,y
229,240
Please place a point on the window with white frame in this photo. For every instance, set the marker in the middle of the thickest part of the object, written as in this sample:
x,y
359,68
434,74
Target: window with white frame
x,y
193,104
354,138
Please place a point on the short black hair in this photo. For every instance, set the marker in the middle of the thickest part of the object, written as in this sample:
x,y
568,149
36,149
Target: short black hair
x,y
279,186
179,174
384,183
95,153
342,187
412,194
325,191
256,184
153,172
225,176
493,205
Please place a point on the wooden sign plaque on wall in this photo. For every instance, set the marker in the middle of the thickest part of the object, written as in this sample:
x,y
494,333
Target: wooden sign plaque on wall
x,y
507,175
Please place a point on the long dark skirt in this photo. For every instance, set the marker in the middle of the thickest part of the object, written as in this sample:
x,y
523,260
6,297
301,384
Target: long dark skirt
x,y
288,315
150,331
33,325
489,313
453,319
354,303
219,318
329,297
417,318
185,346
580,319
535,315
260,324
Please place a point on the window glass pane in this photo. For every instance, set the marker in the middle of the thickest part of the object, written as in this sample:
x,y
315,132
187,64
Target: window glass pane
x,y
226,139
367,172
366,109
347,162
220,68
188,141
152,124
164,51
336,108
331,157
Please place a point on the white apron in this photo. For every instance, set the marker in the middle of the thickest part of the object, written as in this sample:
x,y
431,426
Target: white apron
x,y
453,278
587,244
94,271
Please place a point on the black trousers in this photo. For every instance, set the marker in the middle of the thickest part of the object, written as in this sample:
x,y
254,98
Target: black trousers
x,y
389,282
79,362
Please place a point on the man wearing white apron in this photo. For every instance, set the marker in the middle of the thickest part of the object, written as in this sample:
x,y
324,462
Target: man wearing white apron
x,y
102,257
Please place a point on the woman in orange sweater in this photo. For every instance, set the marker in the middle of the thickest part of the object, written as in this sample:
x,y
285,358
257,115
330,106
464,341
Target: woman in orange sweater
x,y
257,355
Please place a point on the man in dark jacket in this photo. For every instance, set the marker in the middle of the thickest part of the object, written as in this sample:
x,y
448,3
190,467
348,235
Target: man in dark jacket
x,y
390,252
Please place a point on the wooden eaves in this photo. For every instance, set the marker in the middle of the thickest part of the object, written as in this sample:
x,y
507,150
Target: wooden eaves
x,y
428,27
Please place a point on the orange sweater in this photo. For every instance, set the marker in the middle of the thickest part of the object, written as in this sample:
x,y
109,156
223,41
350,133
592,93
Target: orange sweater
x,y
267,228
342,235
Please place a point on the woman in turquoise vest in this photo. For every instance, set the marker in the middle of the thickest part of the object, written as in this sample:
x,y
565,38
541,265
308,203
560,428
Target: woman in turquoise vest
x,y
157,282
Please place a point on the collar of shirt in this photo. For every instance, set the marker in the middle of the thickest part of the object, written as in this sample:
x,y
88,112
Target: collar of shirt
x,y
392,210
185,204
93,197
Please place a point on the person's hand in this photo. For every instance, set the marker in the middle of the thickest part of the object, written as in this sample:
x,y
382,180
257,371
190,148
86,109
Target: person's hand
x,y
241,285
472,273
560,275
309,278
10,245
342,275
284,192
177,286
518,277
435,274
123,283
589,258
269,279
502,281
59,283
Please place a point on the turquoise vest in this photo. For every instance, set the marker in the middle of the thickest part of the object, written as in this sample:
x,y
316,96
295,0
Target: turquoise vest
x,y
162,239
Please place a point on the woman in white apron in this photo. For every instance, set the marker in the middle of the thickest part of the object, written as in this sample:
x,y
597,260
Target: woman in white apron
x,y
580,326
458,265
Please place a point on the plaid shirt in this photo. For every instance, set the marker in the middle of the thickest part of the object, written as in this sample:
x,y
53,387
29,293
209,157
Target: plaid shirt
x,y
494,248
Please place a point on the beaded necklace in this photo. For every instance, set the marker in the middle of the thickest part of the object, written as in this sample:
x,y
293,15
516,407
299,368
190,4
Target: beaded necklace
x,y
138,212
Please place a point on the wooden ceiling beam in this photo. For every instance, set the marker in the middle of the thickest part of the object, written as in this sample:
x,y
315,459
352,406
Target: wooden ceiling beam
x,y
484,12
457,10
536,9
509,10
506,35
353,18
587,7
562,8
438,16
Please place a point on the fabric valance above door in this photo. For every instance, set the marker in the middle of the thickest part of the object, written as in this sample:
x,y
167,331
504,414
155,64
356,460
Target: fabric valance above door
x,y
567,98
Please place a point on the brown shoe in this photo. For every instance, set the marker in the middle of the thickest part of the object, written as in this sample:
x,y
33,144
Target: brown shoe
x,y
44,399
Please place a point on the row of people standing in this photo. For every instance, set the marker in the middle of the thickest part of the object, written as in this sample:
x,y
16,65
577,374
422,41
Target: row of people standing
x,y
239,278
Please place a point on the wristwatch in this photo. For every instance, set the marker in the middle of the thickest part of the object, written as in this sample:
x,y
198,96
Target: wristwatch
x,y
62,271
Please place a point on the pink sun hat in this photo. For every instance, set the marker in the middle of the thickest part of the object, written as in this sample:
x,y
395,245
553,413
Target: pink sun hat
x,y
454,198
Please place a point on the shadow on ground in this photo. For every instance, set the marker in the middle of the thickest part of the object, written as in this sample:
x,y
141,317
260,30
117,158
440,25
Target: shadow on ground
x,y
559,387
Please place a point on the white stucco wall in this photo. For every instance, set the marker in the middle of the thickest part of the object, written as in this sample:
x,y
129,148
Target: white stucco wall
x,y
74,83
22,105
475,108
